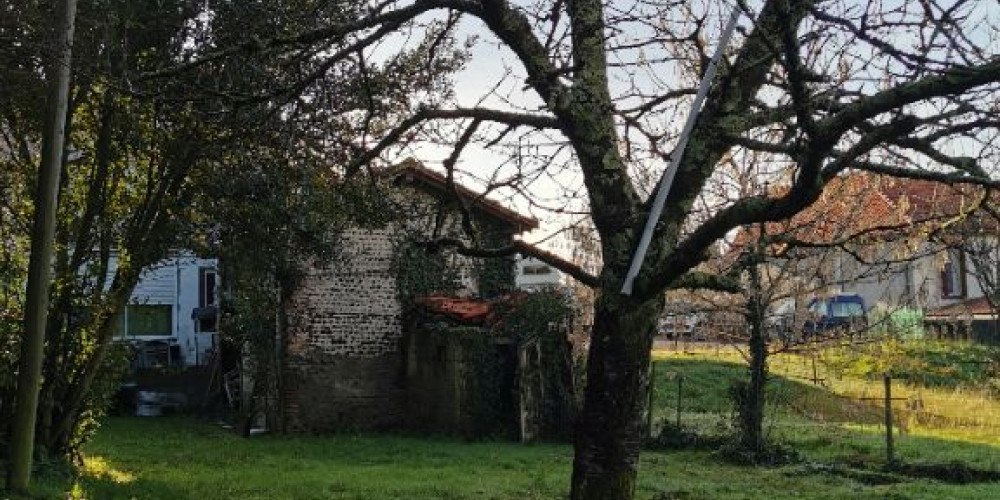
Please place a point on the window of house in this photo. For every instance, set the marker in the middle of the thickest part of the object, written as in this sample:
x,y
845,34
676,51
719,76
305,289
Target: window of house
x,y
146,320
207,299
537,269
953,275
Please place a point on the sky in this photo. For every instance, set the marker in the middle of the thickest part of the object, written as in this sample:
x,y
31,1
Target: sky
x,y
491,62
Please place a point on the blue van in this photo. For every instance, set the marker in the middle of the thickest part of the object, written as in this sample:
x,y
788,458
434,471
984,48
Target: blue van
x,y
839,312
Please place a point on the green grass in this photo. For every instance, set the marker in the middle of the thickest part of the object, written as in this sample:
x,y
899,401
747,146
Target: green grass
x,y
186,459
925,362
840,419
181,459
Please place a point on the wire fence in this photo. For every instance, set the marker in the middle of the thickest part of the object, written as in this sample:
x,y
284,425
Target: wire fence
x,y
810,404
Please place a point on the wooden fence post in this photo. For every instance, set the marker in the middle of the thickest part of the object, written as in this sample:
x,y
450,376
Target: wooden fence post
x,y
889,452
649,402
680,397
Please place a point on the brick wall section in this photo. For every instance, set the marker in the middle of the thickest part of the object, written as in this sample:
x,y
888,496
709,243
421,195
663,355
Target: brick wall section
x,y
343,365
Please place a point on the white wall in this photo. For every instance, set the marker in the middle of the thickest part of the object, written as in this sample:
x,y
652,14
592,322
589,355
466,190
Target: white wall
x,y
532,282
175,282
889,289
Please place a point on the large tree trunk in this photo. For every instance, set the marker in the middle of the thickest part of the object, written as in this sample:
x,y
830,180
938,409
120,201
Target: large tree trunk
x,y
609,432
40,266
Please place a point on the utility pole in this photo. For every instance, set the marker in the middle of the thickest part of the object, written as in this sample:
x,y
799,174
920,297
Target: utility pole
x,y
36,307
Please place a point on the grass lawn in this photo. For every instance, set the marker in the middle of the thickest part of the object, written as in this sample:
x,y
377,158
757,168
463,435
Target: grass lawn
x,y
181,458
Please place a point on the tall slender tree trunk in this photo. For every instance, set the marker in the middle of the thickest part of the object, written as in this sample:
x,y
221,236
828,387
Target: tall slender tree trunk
x,y
751,410
40,264
610,429
750,397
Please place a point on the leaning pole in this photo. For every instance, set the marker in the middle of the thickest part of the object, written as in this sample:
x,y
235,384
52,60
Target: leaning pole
x,y
40,263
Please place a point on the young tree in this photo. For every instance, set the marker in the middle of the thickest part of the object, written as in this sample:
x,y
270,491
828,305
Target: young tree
x,y
822,87
862,234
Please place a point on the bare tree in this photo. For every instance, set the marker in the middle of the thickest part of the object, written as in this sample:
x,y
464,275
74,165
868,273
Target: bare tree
x,y
817,88
977,238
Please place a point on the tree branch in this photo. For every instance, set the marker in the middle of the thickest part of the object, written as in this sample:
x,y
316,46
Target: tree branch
x,y
334,32
517,247
699,280
393,137
953,81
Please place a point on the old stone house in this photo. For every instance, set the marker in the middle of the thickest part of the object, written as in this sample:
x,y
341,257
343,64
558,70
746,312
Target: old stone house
x,y
343,366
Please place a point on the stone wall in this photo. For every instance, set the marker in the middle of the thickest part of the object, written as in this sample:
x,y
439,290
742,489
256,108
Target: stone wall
x,y
326,393
343,363
344,366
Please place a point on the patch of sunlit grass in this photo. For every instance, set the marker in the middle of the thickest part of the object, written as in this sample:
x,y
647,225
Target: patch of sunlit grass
x,y
833,414
99,468
76,492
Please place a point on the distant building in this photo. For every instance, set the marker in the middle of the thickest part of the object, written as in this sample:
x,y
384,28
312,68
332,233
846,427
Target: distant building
x,y
170,317
534,275
900,244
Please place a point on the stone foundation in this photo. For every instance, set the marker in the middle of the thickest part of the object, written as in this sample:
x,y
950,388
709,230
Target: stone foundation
x,y
326,393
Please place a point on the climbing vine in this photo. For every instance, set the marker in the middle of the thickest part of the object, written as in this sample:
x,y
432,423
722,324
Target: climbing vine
x,y
544,318
271,225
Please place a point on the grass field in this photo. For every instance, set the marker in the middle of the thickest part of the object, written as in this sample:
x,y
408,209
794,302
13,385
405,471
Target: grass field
x,y
182,458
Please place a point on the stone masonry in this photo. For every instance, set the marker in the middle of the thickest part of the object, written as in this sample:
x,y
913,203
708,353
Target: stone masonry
x,y
343,365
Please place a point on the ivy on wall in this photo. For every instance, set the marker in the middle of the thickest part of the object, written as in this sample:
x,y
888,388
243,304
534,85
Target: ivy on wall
x,y
420,272
496,275
545,318
482,361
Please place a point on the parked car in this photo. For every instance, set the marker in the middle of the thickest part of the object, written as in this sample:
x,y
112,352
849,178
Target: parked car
x,y
779,321
836,313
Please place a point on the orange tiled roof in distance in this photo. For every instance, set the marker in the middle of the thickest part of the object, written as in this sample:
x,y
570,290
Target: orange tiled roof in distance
x,y
864,204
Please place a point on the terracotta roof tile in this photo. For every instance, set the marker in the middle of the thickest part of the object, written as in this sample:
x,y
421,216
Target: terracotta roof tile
x,y
867,204
462,309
